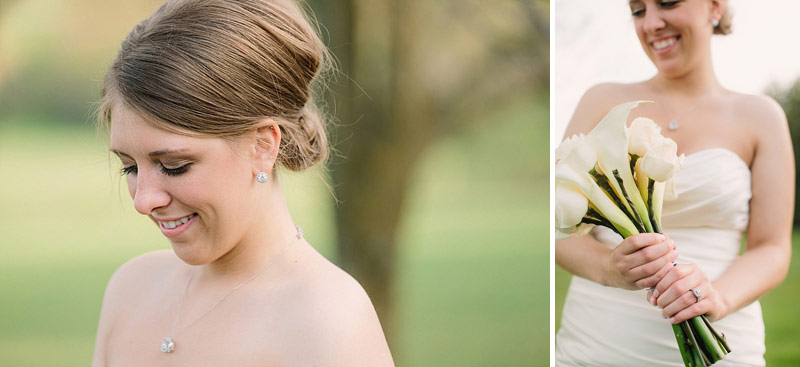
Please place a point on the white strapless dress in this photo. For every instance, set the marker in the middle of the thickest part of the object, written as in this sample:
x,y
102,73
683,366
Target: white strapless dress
x,y
607,326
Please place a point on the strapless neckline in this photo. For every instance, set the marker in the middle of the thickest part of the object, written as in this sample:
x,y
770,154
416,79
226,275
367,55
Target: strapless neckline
x,y
701,152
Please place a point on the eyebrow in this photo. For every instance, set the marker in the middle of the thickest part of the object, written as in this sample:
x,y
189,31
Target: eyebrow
x,y
154,154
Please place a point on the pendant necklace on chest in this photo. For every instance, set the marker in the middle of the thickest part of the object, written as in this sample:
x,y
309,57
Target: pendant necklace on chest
x,y
168,344
673,122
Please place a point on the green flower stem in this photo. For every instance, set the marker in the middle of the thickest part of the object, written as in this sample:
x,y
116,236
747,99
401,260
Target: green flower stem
x,y
698,357
638,217
719,337
594,217
633,158
686,353
603,183
651,184
712,347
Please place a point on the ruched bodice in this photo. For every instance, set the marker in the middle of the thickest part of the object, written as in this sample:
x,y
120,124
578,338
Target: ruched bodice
x,y
606,326
712,181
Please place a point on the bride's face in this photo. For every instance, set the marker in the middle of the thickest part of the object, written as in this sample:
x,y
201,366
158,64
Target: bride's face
x,y
197,190
675,35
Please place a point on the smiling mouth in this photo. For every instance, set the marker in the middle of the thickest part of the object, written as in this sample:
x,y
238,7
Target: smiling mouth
x,y
176,223
664,43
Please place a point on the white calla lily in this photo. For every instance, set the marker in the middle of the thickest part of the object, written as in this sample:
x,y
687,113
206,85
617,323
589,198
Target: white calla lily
x,y
660,163
581,229
582,181
609,139
570,205
567,146
576,153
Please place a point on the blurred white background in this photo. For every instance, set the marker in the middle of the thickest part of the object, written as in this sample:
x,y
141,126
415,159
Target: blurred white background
x,y
595,42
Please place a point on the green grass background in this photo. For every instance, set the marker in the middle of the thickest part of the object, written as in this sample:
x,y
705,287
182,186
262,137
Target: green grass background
x,y
473,274
779,307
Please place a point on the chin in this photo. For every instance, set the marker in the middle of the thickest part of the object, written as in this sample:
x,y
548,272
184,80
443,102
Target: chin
x,y
190,253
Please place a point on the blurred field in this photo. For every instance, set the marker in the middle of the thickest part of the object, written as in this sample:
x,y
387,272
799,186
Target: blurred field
x,y
473,277
779,306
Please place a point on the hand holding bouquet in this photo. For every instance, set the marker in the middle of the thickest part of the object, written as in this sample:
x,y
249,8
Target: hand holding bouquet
x,y
617,177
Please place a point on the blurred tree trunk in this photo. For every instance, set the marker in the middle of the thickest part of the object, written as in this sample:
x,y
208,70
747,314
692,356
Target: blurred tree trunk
x,y
390,105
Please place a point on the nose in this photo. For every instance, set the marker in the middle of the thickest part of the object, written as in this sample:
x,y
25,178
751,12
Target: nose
x,y
653,22
149,194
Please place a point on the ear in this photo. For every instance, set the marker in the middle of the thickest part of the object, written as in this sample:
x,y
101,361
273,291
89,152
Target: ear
x,y
266,141
717,7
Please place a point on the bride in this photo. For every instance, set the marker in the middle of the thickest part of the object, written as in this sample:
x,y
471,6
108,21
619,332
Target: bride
x,y
206,99
738,176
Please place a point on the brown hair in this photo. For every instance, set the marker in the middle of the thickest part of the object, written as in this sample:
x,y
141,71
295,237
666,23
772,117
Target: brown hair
x,y
217,67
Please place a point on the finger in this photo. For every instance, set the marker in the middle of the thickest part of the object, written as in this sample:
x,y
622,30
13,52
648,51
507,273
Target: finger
x,y
652,266
649,297
687,299
677,272
638,241
679,287
650,254
651,281
697,309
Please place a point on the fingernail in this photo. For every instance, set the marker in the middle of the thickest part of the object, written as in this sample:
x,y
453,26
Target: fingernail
x,y
652,300
672,320
673,253
656,293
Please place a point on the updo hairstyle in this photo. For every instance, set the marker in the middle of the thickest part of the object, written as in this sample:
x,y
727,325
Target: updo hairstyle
x,y
217,67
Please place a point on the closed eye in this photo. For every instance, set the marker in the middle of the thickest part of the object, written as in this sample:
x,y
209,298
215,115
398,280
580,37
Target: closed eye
x,y
669,4
175,171
133,169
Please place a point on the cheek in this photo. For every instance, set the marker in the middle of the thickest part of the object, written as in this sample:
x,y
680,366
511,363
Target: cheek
x,y
131,180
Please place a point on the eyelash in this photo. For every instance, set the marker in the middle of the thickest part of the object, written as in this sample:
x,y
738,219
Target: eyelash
x,y
167,171
663,4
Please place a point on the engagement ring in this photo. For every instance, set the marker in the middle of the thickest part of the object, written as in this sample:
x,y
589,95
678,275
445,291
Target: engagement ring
x,y
697,293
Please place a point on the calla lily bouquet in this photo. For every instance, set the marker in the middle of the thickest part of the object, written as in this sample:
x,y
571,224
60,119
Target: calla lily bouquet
x,y
617,177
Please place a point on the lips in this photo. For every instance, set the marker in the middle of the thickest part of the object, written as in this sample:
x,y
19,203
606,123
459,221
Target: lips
x,y
175,223
172,228
664,44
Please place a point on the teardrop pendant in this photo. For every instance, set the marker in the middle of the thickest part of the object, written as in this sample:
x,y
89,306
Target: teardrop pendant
x,y
673,125
167,345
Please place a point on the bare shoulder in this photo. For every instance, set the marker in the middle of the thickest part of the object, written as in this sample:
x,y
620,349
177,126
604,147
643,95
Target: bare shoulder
x,y
132,278
135,272
339,323
597,101
763,116
123,290
757,107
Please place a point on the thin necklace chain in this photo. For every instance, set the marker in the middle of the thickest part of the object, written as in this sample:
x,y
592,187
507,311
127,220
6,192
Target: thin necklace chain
x,y
174,333
673,121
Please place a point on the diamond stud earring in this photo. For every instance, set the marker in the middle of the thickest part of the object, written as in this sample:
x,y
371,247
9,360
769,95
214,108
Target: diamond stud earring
x,y
715,22
262,177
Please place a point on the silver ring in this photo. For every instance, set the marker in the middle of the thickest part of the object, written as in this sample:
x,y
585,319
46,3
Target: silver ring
x,y
697,293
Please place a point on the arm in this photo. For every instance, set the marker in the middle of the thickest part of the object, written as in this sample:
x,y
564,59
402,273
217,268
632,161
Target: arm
x,y
639,261
765,261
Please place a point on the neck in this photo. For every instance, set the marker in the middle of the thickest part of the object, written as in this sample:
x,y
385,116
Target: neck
x,y
695,83
270,231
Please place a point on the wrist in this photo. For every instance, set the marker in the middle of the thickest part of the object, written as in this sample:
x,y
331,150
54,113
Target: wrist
x,y
606,277
723,307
